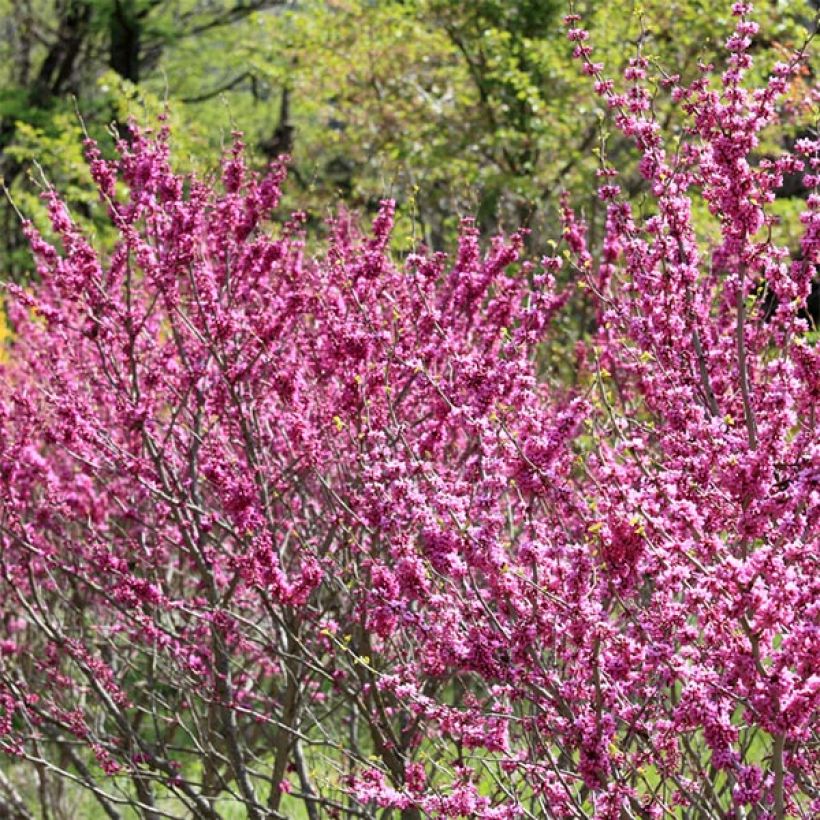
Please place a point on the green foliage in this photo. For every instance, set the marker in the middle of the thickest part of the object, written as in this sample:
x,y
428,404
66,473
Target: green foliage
x,y
452,108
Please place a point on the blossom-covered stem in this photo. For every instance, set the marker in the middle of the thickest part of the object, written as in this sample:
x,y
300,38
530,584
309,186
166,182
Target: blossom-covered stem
x,y
745,390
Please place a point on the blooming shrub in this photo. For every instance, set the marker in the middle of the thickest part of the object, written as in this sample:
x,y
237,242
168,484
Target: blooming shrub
x,y
279,528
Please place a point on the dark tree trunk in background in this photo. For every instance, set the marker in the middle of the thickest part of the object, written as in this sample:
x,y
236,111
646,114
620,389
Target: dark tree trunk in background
x,y
281,141
125,36
58,68
56,75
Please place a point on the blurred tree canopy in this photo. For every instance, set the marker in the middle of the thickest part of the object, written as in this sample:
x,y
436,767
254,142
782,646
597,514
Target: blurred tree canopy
x,y
54,58
452,108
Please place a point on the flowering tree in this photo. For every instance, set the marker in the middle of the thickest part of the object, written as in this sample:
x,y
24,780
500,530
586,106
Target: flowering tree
x,y
279,530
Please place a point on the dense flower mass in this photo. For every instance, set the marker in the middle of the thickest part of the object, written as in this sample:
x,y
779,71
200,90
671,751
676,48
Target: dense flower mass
x,y
282,527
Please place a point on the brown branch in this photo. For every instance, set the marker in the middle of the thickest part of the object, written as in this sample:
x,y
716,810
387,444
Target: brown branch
x,y
220,89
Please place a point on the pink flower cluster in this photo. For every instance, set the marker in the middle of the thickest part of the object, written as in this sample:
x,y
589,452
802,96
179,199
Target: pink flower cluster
x,y
286,523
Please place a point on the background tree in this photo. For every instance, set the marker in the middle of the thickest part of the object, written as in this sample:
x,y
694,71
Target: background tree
x,y
55,51
451,108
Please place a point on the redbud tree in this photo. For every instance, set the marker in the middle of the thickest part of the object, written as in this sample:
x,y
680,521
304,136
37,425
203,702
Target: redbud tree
x,y
312,534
